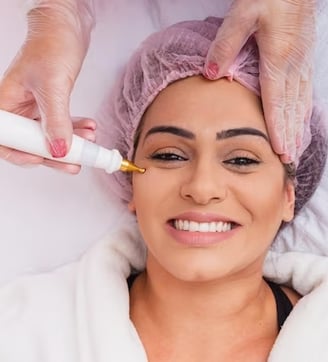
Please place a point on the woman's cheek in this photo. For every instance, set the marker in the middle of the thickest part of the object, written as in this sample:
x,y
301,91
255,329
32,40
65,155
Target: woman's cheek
x,y
155,183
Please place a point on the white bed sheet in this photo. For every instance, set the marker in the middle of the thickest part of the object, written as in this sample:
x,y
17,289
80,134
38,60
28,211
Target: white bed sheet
x,y
48,218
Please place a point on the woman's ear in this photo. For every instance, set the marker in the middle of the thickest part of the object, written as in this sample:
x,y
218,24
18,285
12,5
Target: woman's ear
x,y
131,206
289,206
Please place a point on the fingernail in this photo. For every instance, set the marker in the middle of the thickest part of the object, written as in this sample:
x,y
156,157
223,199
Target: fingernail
x,y
58,148
286,158
212,70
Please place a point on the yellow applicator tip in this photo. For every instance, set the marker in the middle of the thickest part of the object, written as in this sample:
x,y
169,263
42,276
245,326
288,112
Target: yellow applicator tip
x,y
127,166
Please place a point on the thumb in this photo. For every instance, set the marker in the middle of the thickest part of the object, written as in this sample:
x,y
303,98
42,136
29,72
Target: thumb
x,y
55,119
238,25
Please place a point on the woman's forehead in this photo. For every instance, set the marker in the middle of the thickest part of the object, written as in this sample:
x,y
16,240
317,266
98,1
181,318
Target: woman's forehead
x,y
197,104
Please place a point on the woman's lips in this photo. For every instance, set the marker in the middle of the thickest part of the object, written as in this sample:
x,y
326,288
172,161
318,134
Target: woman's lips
x,y
201,233
202,217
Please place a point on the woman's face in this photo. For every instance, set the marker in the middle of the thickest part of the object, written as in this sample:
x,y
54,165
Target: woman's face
x,y
214,193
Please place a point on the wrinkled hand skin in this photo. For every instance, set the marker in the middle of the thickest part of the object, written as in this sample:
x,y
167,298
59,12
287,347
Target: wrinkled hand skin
x,y
285,33
39,81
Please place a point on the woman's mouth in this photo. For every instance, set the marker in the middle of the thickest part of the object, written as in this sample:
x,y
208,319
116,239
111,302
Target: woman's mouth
x,y
202,227
201,233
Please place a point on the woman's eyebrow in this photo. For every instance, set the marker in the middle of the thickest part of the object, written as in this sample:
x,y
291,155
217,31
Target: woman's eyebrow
x,y
243,131
228,133
177,131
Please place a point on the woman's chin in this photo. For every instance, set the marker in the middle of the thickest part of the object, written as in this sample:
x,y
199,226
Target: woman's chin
x,y
199,272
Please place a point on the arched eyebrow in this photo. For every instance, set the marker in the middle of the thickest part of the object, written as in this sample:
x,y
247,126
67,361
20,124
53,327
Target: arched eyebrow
x,y
224,134
234,132
177,131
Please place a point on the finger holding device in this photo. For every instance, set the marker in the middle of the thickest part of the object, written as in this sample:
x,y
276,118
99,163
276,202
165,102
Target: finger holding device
x,y
24,134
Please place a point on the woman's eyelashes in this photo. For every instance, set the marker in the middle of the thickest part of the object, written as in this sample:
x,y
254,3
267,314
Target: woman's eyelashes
x,y
241,161
236,160
167,156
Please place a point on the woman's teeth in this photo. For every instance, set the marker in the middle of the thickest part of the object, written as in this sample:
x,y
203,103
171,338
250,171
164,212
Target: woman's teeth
x,y
203,227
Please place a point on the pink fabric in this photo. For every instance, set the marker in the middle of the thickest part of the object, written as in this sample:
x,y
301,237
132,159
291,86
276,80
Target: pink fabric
x,y
177,52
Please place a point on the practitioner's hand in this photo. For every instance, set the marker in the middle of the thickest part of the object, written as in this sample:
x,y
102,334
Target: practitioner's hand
x,y
285,32
83,127
39,81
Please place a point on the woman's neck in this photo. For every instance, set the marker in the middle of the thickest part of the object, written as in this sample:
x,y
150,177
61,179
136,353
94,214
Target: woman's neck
x,y
238,308
222,298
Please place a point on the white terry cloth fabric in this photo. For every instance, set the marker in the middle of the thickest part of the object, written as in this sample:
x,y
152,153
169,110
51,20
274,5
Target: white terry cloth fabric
x,y
80,313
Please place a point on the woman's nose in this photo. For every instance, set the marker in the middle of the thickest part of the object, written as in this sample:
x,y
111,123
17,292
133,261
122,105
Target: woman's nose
x,y
204,184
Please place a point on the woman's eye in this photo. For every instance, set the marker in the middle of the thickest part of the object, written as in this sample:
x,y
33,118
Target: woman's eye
x,y
167,156
241,162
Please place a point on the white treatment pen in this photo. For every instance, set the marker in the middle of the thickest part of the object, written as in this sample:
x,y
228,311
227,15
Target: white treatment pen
x,y
26,135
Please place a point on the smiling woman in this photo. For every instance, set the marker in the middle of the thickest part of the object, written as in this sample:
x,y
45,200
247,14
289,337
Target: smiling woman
x,y
211,202
202,284
212,164
221,195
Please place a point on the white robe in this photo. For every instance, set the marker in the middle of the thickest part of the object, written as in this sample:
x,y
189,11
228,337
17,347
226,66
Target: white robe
x,y
80,312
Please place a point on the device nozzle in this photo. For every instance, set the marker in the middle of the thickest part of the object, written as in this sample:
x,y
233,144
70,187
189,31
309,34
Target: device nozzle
x,y
127,166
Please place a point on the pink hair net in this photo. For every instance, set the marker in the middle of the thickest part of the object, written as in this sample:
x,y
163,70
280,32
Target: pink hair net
x,y
177,52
